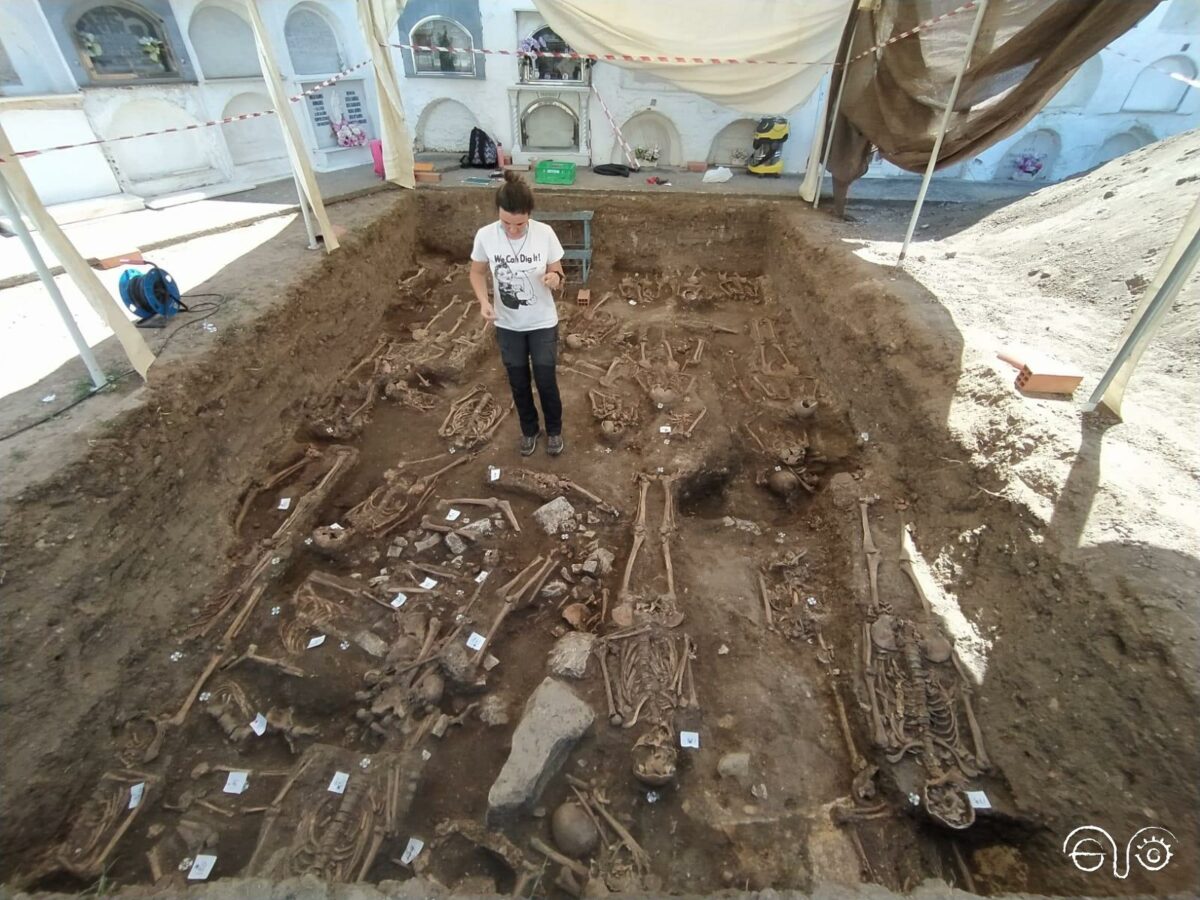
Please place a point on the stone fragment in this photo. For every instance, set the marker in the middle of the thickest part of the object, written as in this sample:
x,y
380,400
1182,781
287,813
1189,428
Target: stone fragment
x,y
555,516
455,544
736,766
569,655
553,720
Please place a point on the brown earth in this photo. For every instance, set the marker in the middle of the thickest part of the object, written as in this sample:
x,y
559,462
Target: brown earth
x,y
111,561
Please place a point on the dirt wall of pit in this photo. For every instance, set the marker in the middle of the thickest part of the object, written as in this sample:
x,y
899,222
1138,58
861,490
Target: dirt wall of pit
x,y
630,233
144,525
1082,708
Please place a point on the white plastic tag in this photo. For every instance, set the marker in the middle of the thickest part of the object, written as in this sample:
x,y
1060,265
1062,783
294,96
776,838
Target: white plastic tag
x,y
429,583
978,800
399,600
259,725
453,515
201,867
689,739
338,784
285,503
135,795
476,640
316,642
481,577
412,850
493,473
236,783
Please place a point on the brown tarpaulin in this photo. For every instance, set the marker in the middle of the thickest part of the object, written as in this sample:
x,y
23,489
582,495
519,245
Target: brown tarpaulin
x,y
895,97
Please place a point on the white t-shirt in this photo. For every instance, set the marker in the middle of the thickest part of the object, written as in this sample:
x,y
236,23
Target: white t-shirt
x,y
522,301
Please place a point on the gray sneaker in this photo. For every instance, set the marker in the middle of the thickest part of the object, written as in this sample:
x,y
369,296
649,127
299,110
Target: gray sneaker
x,y
554,445
528,445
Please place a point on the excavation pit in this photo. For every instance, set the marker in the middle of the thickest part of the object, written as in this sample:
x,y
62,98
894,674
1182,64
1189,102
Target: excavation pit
x,y
732,363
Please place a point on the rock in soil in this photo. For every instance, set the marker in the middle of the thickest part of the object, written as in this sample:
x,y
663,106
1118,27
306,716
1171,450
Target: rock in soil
x,y
555,516
493,710
736,766
569,655
845,490
455,544
574,831
554,719
599,563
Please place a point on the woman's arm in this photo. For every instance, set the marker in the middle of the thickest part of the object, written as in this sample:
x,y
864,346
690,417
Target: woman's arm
x,y
549,279
480,286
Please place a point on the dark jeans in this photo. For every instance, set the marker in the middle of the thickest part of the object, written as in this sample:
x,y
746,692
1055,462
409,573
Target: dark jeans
x,y
520,349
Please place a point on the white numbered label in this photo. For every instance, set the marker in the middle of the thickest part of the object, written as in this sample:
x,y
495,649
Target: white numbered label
x,y
690,739
135,794
399,600
202,866
338,784
481,577
664,429
259,725
285,503
237,782
429,583
316,642
493,473
452,515
412,850
476,640
978,800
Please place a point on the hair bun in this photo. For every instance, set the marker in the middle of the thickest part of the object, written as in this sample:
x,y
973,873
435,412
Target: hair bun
x,y
511,177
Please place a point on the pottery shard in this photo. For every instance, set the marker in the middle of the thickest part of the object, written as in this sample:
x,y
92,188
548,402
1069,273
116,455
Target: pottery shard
x,y
554,719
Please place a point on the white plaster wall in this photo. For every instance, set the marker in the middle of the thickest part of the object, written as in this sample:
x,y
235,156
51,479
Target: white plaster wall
x,y
162,164
626,93
32,50
65,175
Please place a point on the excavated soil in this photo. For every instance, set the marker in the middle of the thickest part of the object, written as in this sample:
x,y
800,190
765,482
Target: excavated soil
x,y
203,525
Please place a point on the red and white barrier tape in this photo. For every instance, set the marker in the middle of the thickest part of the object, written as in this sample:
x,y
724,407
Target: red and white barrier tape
x,y
629,155
688,60
921,26
225,121
594,57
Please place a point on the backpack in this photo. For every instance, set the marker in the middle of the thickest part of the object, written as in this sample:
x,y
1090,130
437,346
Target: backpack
x,y
481,152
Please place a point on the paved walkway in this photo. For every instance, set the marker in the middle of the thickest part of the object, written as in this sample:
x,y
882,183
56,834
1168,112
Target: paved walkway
x,y
149,229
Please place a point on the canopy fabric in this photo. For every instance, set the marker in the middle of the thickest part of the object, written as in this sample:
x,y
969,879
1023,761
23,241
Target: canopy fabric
x,y
297,152
377,18
12,170
895,96
804,35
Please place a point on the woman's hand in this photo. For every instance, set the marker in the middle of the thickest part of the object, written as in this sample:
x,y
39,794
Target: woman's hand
x,y
487,310
552,280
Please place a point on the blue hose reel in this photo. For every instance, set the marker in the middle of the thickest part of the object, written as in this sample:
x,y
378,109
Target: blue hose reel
x,y
150,294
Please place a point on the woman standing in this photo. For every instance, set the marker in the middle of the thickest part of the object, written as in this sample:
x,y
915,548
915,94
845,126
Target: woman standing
x,y
525,259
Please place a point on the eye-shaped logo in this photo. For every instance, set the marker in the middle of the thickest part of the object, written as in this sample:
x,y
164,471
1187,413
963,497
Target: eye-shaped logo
x,y
1090,847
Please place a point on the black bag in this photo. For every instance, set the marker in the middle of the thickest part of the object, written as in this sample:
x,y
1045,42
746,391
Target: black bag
x,y
612,169
481,152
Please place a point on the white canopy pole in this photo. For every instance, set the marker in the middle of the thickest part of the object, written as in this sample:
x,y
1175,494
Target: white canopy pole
x,y
1179,263
297,152
377,18
8,206
937,144
70,259
827,125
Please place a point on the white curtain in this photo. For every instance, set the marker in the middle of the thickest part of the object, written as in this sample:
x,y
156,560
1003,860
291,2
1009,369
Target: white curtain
x,y
297,151
13,172
803,34
377,18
